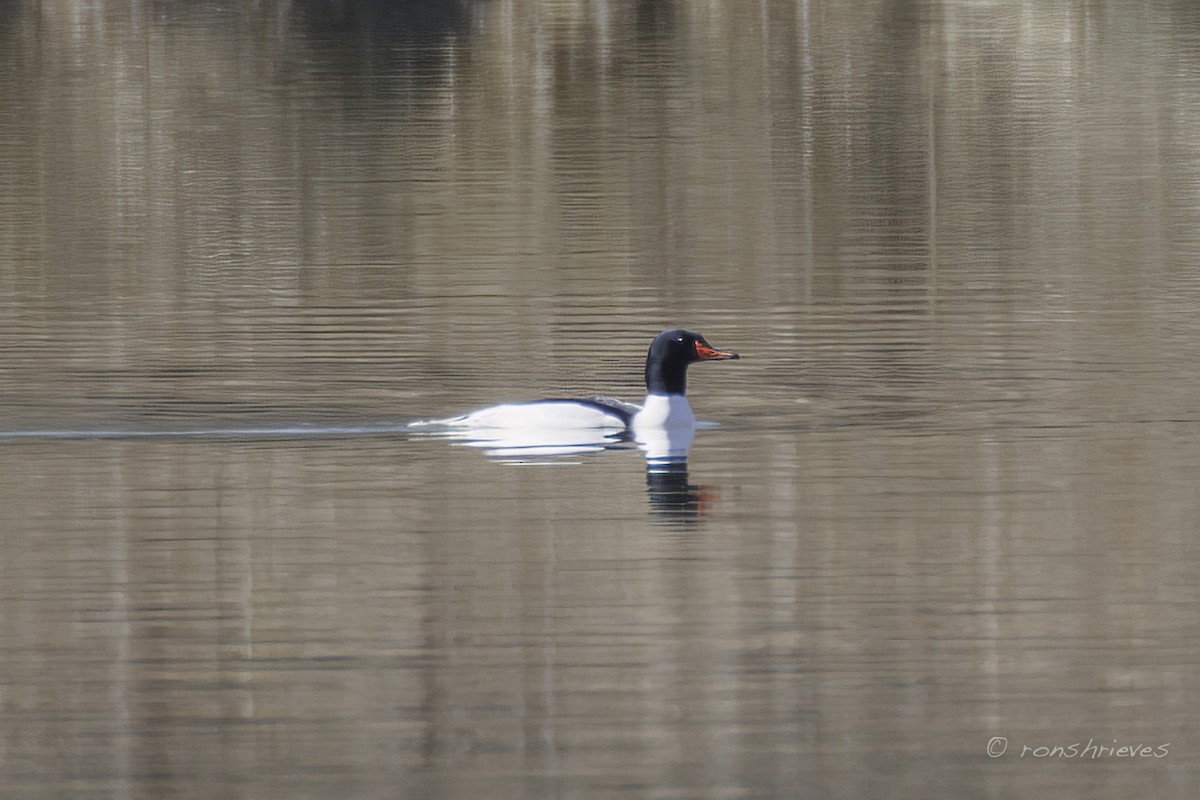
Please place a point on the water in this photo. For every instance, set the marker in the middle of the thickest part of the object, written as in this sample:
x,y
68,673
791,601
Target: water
x,y
948,495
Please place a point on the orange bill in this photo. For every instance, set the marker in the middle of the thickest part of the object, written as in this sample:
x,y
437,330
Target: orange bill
x,y
706,352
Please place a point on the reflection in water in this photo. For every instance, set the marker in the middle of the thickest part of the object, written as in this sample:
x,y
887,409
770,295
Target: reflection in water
x,y
528,446
671,496
673,499
666,445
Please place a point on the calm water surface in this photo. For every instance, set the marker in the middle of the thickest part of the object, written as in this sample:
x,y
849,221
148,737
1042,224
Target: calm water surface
x,y
949,495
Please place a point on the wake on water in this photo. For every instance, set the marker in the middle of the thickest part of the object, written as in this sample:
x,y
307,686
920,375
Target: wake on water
x,y
255,432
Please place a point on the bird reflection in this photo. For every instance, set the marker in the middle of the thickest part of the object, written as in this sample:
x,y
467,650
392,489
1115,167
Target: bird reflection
x,y
529,447
673,498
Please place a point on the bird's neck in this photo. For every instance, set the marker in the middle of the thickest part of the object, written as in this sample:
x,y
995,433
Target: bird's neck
x,y
666,377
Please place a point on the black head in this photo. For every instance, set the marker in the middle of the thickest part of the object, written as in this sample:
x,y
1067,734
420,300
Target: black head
x,y
670,354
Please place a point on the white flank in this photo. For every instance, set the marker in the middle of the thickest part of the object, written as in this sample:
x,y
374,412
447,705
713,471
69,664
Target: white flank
x,y
539,417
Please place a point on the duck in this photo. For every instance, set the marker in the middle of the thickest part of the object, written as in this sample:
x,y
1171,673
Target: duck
x,y
667,362
664,409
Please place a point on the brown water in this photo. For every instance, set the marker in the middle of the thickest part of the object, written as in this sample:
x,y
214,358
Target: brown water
x,y
950,495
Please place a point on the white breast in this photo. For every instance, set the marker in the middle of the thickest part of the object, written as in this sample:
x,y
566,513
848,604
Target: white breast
x,y
665,411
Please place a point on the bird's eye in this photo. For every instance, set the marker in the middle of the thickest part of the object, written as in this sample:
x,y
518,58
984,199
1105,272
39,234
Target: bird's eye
x,y
680,339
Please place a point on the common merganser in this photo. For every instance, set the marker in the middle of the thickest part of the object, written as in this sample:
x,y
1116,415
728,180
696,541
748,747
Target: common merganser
x,y
670,354
665,411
